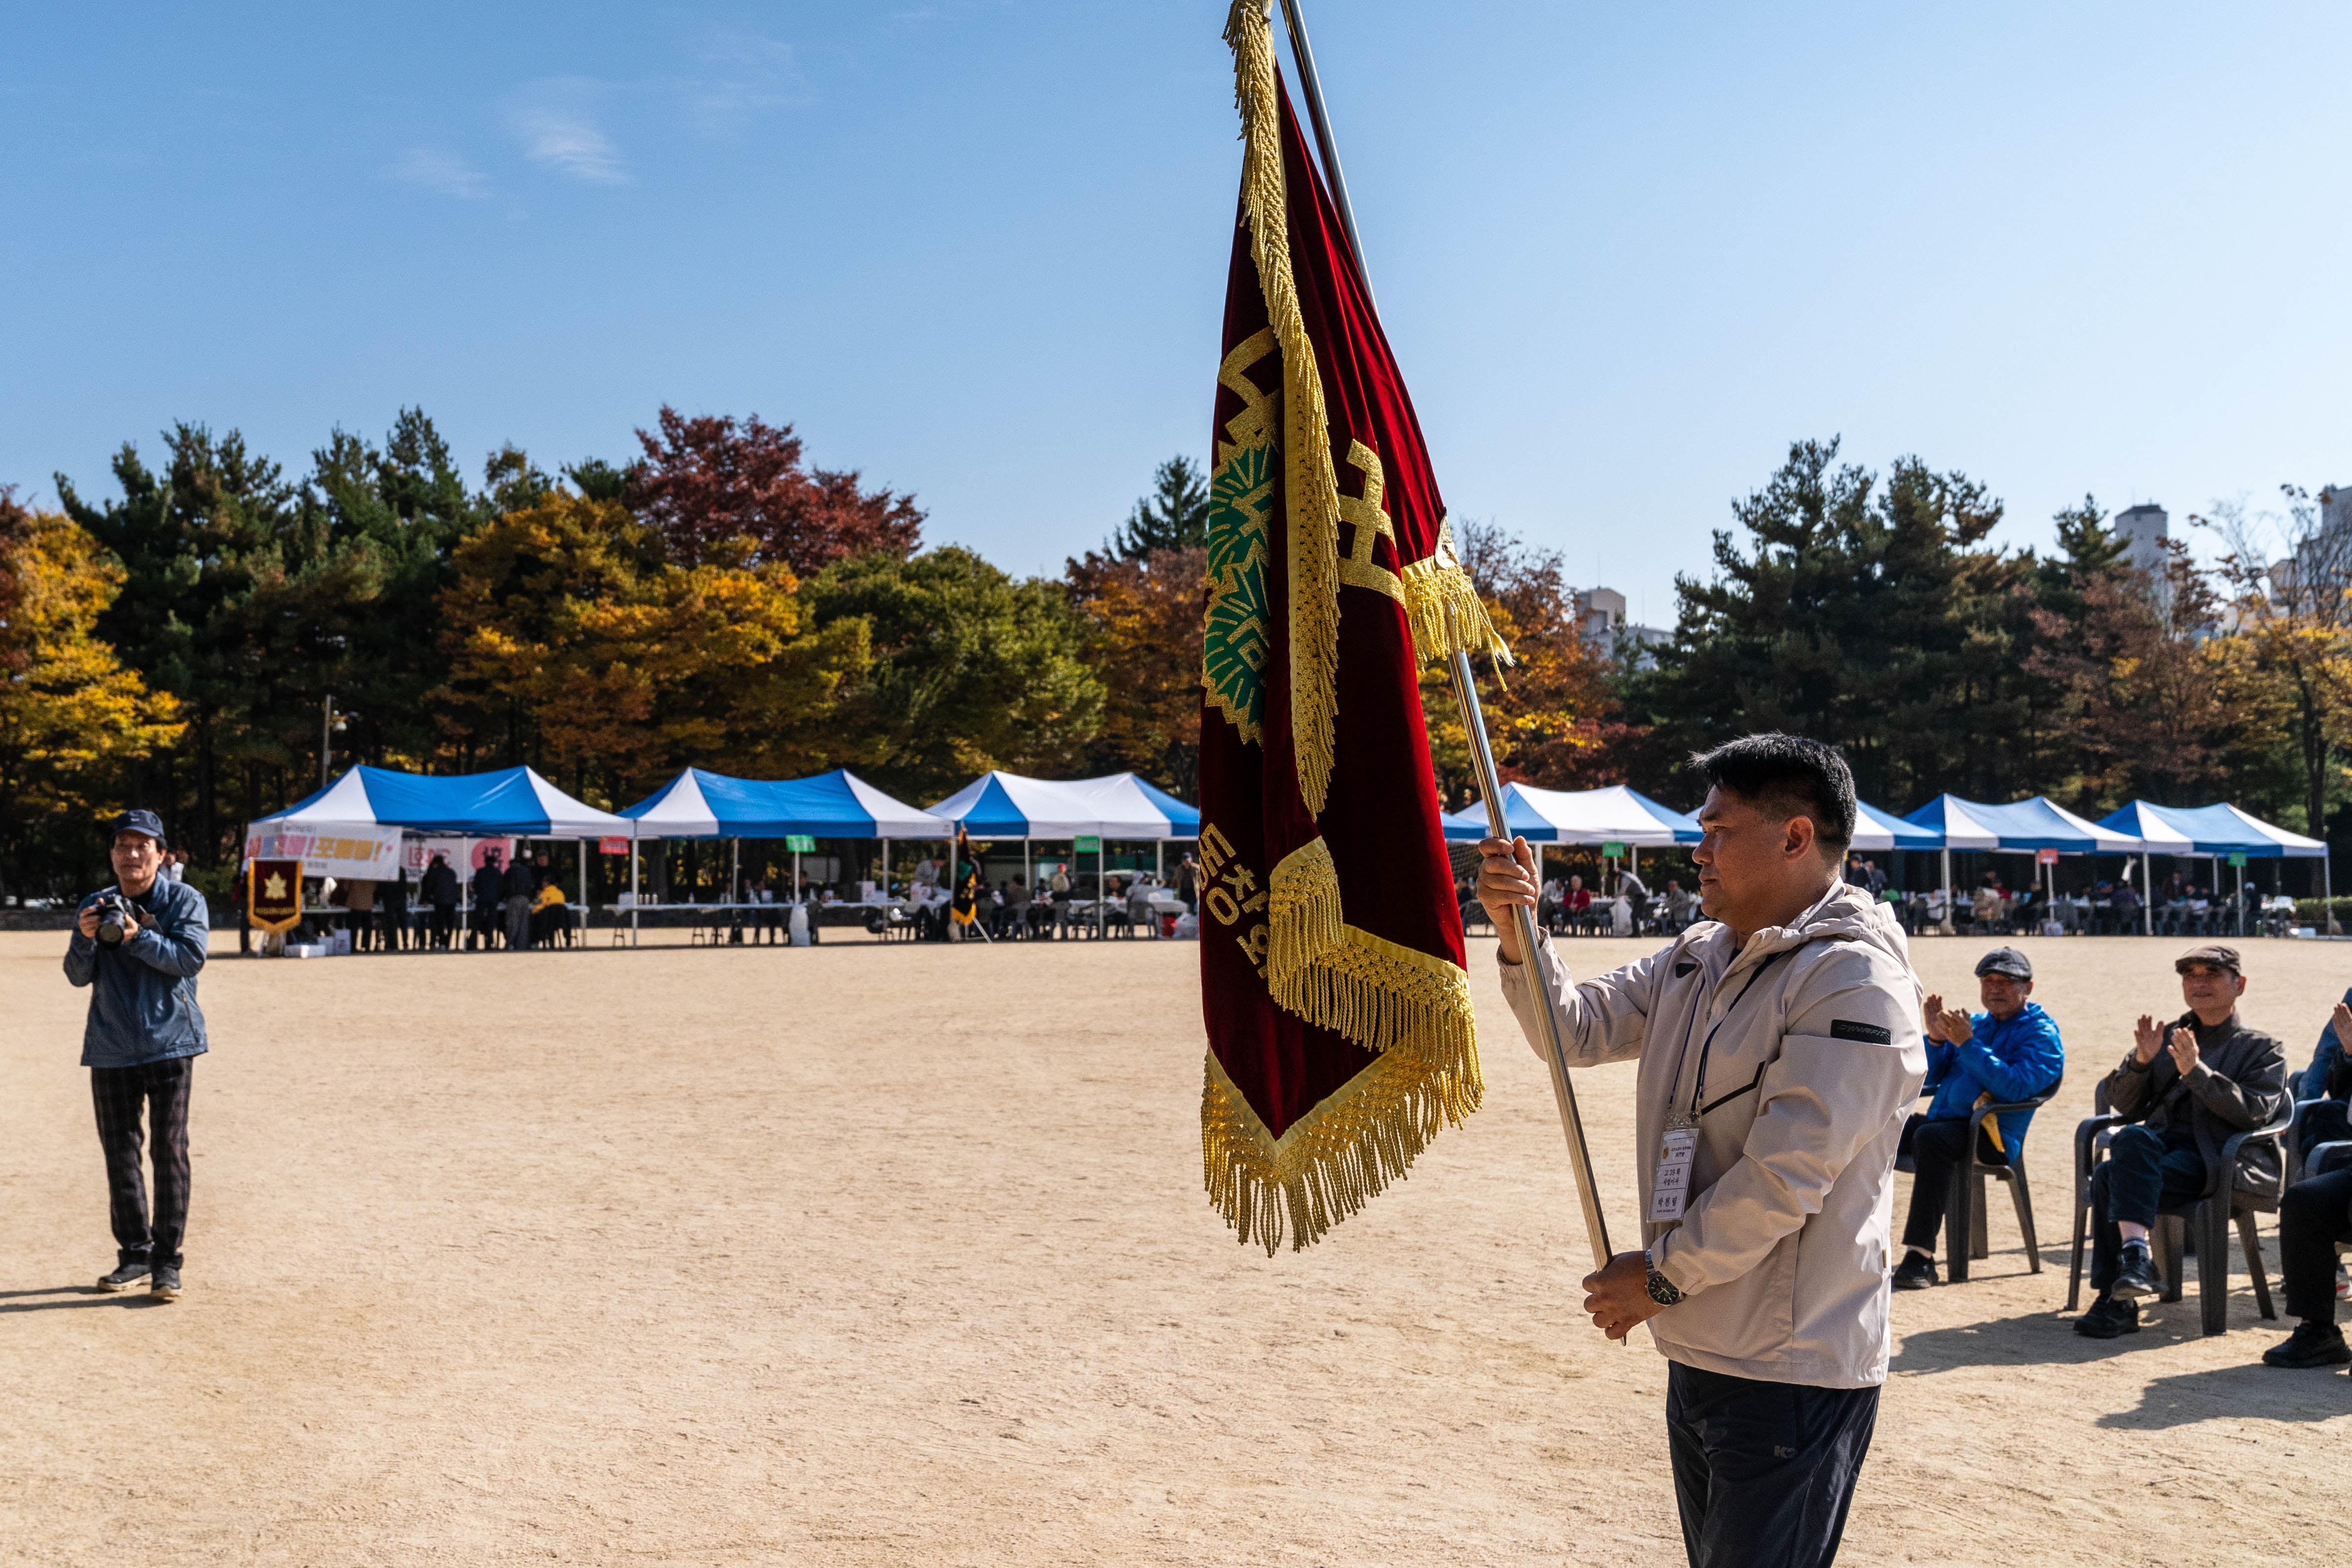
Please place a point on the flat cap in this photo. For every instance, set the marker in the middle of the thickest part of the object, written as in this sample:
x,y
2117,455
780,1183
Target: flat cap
x,y
2006,960
145,822
2212,952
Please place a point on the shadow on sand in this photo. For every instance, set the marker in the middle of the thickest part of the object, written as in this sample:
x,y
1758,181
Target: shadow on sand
x,y
74,1296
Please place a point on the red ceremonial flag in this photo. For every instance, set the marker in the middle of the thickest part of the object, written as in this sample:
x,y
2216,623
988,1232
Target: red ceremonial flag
x,y
1340,1035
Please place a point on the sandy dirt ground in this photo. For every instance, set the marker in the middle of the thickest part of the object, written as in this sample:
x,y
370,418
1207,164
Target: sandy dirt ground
x,y
885,1255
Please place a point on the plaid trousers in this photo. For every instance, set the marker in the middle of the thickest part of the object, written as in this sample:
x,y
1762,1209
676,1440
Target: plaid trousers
x,y
119,1093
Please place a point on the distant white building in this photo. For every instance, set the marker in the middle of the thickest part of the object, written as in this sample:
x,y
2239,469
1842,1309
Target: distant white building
x,y
1601,619
2144,529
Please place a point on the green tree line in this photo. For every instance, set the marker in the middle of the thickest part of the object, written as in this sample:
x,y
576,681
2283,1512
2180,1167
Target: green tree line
x,y
715,600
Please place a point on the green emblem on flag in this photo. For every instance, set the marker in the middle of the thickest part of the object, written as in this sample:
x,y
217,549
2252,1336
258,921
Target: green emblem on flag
x,y
1234,642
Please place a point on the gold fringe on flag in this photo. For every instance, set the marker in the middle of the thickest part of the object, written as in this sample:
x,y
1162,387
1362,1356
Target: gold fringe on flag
x,y
1308,479
1380,995
1331,1162
1444,609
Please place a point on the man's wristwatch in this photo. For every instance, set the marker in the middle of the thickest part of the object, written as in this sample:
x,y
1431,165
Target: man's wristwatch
x,y
1662,1289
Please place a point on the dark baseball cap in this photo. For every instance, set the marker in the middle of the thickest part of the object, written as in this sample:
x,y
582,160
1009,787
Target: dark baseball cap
x,y
2212,953
2006,960
145,822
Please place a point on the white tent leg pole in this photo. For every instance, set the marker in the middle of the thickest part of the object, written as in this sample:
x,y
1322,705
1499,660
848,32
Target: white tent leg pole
x,y
633,890
2147,895
1945,928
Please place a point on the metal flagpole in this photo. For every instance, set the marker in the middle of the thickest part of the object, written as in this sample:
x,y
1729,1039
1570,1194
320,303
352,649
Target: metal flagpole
x,y
1465,693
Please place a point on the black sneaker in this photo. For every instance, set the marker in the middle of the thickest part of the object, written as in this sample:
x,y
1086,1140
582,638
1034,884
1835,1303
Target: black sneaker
x,y
2139,1279
124,1277
165,1286
1917,1272
2311,1344
2109,1318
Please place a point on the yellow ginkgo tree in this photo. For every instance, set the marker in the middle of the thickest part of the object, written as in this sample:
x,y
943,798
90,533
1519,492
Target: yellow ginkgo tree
x,y
71,715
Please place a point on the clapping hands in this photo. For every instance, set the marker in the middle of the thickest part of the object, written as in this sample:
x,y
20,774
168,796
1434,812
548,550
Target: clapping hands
x,y
1946,1024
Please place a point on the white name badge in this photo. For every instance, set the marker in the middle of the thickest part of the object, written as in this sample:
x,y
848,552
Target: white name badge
x,y
1671,1186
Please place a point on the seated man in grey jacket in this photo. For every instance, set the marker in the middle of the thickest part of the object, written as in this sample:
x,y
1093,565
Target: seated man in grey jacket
x,y
2186,1087
1780,1047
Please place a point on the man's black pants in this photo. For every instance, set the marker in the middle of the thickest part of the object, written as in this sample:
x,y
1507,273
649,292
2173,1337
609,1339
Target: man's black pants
x,y
119,1094
1764,1472
1936,1150
2313,1216
2329,1122
2146,1172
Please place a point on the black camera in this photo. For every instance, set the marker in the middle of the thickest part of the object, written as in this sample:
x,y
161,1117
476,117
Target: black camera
x,y
114,918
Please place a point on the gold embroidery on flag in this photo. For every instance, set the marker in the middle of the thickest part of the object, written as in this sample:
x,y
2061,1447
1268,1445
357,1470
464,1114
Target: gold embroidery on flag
x,y
1369,517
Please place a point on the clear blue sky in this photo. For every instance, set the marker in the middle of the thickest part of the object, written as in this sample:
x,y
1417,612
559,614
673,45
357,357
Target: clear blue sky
x,y
977,250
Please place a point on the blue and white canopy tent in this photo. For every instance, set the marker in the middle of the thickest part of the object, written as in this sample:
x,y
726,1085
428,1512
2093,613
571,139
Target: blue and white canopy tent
x,y
1877,829
2022,827
1617,815
2218,830
378,803
839,804
1001,806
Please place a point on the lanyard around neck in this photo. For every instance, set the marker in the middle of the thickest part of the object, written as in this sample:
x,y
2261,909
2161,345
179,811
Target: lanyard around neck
x,y
1706,1047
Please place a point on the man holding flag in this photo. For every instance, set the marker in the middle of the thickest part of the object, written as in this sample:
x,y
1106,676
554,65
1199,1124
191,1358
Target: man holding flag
x,y
1780,1043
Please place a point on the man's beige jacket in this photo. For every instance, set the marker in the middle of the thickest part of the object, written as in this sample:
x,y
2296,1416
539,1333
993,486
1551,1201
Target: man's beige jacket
x,y
1811,1041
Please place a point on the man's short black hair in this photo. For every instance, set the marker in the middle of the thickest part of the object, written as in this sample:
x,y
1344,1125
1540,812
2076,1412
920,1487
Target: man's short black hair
x,y
1787,774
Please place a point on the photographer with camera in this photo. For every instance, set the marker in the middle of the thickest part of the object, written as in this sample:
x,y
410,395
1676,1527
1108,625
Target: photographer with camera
x,y
138,945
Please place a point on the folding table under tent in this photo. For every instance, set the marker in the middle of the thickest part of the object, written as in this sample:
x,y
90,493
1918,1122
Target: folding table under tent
x,y
1118,805
2217,830
2022,827
510,803
838,804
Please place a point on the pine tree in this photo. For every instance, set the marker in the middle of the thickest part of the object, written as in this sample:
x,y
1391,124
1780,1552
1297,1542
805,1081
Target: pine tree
x,y
1174,516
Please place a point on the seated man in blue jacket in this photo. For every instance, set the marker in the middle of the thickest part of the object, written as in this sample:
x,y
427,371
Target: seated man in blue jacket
x,y
2007,1053
2328,1078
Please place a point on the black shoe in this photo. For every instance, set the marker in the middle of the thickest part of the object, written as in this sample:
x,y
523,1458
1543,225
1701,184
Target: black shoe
x,y
2108,1319
2311,1344
2139,1279
1917,1272
165,1284
124,1277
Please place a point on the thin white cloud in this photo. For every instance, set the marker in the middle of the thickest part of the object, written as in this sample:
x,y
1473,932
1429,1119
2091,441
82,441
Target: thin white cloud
x,y
442,173
557,131
745,76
